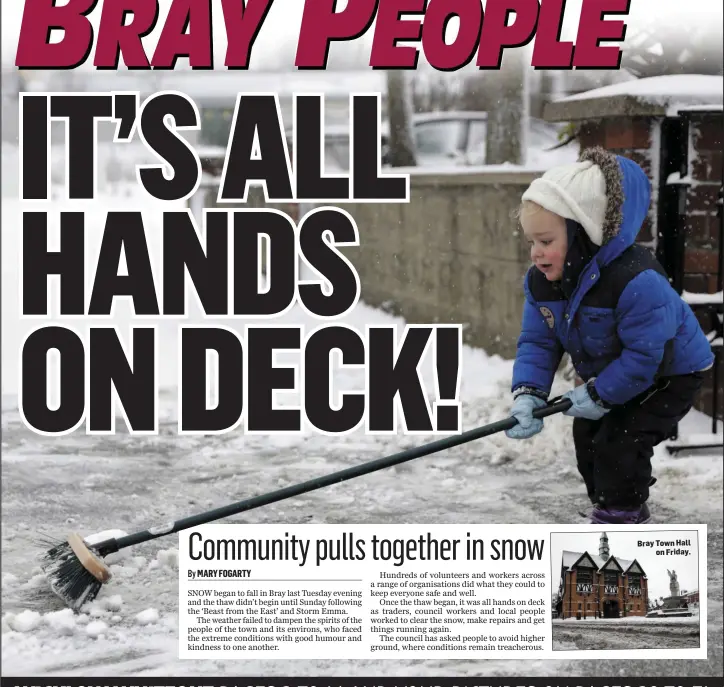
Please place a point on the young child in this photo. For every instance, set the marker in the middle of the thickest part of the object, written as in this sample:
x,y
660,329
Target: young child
x,y
596,294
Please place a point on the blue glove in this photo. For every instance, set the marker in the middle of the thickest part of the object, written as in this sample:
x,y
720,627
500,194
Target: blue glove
x,y
522,411
583,405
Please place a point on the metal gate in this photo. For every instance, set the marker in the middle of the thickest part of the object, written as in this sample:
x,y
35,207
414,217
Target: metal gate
x,y
671,250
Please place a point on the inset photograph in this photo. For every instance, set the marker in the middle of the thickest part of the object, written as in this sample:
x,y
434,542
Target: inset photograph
x,y
625,590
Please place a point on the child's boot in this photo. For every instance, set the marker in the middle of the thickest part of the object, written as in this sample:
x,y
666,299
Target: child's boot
x,y
620,516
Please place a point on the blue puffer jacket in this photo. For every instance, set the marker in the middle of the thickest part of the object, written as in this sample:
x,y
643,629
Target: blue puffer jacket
x,y
623,323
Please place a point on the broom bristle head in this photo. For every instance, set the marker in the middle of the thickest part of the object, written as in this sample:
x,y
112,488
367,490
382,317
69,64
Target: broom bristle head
x,y
75,571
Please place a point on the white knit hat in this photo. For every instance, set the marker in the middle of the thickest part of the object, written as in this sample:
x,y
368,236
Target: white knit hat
x,y
575,191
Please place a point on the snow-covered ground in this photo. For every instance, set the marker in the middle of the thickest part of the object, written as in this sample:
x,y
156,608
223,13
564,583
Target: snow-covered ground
x,y
649,633
91,483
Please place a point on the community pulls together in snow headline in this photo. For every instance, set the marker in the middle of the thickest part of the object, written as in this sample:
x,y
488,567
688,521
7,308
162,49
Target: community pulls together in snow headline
x,y
352,548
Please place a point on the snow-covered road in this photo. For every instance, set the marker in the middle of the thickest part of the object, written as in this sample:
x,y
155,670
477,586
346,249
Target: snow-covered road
x,y
93,483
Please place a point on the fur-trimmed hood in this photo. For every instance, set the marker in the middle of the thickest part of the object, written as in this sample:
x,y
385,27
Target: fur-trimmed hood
x,y
628,195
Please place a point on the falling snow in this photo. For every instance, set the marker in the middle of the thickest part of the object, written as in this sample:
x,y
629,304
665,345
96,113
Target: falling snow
x,y
101,484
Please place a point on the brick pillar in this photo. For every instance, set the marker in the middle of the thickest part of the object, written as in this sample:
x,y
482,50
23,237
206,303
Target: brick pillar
x,y
634,138
705,170
701,259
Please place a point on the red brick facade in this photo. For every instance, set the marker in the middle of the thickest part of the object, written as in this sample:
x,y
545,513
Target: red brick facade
x,y
608,592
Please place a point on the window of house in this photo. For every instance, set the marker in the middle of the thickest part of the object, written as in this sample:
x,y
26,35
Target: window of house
x,y
584,580
584,575
610,582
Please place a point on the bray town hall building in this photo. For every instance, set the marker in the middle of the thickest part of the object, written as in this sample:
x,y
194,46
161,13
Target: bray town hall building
x,y
601,586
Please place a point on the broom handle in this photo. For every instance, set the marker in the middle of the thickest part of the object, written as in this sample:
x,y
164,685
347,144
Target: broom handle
x,y
112,545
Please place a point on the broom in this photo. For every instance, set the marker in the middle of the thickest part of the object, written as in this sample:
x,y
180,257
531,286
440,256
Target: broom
x,y
76,571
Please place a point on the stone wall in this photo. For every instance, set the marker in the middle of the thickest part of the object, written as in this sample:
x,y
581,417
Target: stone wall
x,y
452,254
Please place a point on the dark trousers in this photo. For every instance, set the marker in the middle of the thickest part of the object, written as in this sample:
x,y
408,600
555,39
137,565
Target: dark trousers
x,y
614,453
